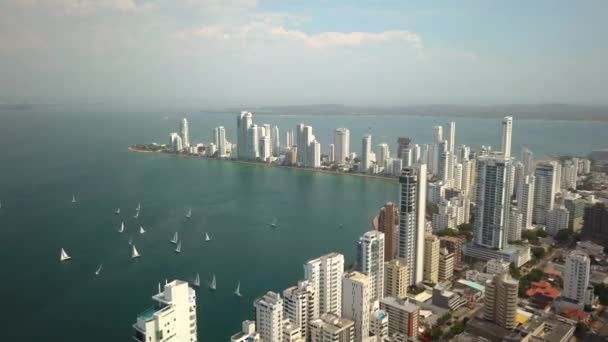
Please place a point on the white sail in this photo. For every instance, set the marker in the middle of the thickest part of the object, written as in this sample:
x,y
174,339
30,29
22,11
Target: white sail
x,y
213,284
73,198
63,255
99,269
175,238
179,248
274,222
138,207
197,280
207,238
117,211
122,227
130,241
136,215
134,253
189,214
141,230
237,292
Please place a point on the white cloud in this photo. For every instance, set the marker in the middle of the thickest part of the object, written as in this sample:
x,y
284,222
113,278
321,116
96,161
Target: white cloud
x,y
77,7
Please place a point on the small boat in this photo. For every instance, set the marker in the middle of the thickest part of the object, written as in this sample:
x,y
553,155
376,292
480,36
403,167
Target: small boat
x,y
197,281
130,240
122,227
273,224
134,253
237,292
175,238
99,269
117,211
341,225
189,214
212,286
73,198
63,256
141,230
179,247
136,215
138,207
207,238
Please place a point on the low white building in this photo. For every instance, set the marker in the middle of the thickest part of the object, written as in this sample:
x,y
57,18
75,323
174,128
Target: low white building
x,y
497,266
378,324
247,333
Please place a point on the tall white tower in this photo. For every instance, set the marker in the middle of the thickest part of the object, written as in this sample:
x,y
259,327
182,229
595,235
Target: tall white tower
x,y
507,130
325,275
356,303
276,140
253,142
341,144
383,154
243,122
451,138
269,317
370,261
527,158
576,276
544,190
525,200
183,129
412,198
366,149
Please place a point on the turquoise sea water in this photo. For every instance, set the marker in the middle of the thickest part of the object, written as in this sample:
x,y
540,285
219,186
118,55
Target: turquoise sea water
x,y
48,157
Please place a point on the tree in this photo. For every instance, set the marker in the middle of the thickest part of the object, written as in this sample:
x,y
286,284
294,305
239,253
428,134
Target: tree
x,y
514,271
541,233
435,333
524,282
538,252
447,232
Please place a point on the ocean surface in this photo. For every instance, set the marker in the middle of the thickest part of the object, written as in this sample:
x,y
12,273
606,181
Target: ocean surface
x,y
48,157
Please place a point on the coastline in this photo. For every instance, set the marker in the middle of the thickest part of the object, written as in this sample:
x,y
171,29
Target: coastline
x,y
247,162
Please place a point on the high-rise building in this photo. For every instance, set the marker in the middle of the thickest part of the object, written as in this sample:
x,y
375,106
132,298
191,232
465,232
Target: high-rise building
x,y
576,276
544,190
557,219
454,245
292,332
276,141
243,122
219,139
314,154
342,144
378,325
331,153
500,305
525,200
493,201
527,158
403,316
412,207
269,317
596,221
463,153
450,214
332,328
388,223
431,258
416,151
289,138
325,275
515,225
366,149
356,303
299,305
301,144
446,264
451,136
173,316
183,130
395,279
370,261
253,142
307,139
402,143
507,131
443,162
576,209
569,175
383,154
265,148
176,143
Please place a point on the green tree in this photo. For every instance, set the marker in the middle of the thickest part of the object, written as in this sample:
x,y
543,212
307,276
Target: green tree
x,y
538,252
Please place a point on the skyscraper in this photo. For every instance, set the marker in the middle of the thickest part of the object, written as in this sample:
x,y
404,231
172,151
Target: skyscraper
x,y
243,123
527,158
431,258
443,162
402,143
383,154
253,142
370,261
307,138
396,279
219,139
493,201
313,159
403,316
507,130
525,200
366,149
275,141
301,144
176,142
500,305
269,317
356,303
342,144
265,148
446,264
544,190
515,225
576,276
325,275
298,305
451,136
388,222
173,315
557,219
289,138
412,207
183,129
331,153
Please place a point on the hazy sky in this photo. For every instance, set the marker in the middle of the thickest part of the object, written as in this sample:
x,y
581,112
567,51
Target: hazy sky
x,y
237,52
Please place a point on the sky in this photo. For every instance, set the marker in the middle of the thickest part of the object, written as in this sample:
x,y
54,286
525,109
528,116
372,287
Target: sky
x,y
257,52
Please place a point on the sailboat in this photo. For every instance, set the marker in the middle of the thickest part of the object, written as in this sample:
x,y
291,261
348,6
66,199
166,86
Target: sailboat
x,y
273,224
73,198
175,238
99,269
141,230
122,227
138,207
212,285
197,281
117,211
64,256
134,253
189,214
179,247
136,215
207,238
130,240
237,292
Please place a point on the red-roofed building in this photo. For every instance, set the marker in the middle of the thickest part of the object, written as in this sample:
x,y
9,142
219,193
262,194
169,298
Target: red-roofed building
x,y
544,288
576,314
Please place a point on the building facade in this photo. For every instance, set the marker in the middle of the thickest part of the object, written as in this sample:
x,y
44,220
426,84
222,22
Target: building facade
x,y
370,261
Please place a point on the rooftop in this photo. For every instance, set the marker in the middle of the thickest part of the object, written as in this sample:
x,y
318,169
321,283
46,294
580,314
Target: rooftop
x,y
472,284
543,287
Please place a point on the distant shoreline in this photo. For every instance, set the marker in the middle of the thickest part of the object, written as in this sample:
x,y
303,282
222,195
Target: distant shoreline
x,y
390,179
